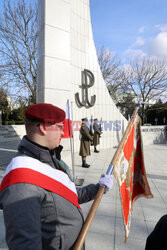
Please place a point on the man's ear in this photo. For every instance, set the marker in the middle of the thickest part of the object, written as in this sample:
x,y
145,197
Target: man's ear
x,y
42,128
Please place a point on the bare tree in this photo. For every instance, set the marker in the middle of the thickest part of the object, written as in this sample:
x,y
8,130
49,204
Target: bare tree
x,y
3,100
146,78
18,48
143,79
110,66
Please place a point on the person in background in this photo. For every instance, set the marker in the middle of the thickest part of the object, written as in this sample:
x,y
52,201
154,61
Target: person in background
x,y
96,136
85,140
157,238
41,205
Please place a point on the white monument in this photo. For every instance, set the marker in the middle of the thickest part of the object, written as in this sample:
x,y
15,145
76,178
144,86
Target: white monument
x,y
69,69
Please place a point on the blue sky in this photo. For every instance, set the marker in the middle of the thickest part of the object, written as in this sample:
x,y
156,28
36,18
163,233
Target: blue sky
x,y
131,27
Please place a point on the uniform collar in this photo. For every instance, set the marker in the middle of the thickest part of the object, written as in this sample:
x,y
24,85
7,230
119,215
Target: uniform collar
x,y
39,152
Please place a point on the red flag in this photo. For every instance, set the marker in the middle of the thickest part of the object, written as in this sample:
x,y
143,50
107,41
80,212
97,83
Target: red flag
x,y
130,173
67,123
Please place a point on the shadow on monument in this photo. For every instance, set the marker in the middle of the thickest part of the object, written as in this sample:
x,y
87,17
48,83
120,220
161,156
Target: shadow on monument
x,y
161,139
118,134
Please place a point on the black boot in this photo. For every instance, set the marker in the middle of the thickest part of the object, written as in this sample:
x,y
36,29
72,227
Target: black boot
x,y
96,151
85,165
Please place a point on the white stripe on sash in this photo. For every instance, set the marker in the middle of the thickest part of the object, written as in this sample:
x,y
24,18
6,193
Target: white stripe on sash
x,y
43,168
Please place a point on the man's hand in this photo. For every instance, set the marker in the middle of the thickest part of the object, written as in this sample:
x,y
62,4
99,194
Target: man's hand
x,y
107,182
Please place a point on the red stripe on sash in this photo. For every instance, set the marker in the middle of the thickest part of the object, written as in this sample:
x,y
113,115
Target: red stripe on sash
x,y
24,175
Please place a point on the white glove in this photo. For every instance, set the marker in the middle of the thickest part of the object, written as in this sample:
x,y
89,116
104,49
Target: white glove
x,y
107,182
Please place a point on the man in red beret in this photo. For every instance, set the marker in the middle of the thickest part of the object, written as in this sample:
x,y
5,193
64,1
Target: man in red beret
x,y
40,202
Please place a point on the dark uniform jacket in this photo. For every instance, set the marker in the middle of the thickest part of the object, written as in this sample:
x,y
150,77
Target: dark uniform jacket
x,y
85,140
96,135
37,219
157,240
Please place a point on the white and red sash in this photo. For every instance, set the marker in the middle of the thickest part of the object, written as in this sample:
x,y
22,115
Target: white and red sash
x,y
29,170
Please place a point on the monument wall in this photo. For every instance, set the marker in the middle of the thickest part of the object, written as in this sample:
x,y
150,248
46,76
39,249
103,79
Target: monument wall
x,y
68,65
154,134
151,135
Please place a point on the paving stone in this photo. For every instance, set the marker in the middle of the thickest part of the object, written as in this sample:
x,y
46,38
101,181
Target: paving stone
x,y
99,241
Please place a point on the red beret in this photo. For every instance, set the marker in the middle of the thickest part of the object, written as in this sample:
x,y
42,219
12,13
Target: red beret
x,y
45,112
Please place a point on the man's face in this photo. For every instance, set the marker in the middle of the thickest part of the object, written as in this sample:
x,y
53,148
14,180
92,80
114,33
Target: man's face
x,y
54,134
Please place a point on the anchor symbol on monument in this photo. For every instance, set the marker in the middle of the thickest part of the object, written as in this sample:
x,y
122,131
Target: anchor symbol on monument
x,y
87,82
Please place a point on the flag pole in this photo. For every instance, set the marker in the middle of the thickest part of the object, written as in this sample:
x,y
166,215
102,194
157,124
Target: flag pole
x,y
85,229
73,170
76,180
71,144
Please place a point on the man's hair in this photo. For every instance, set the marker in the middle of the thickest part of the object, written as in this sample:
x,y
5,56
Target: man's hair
x,y
31,125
